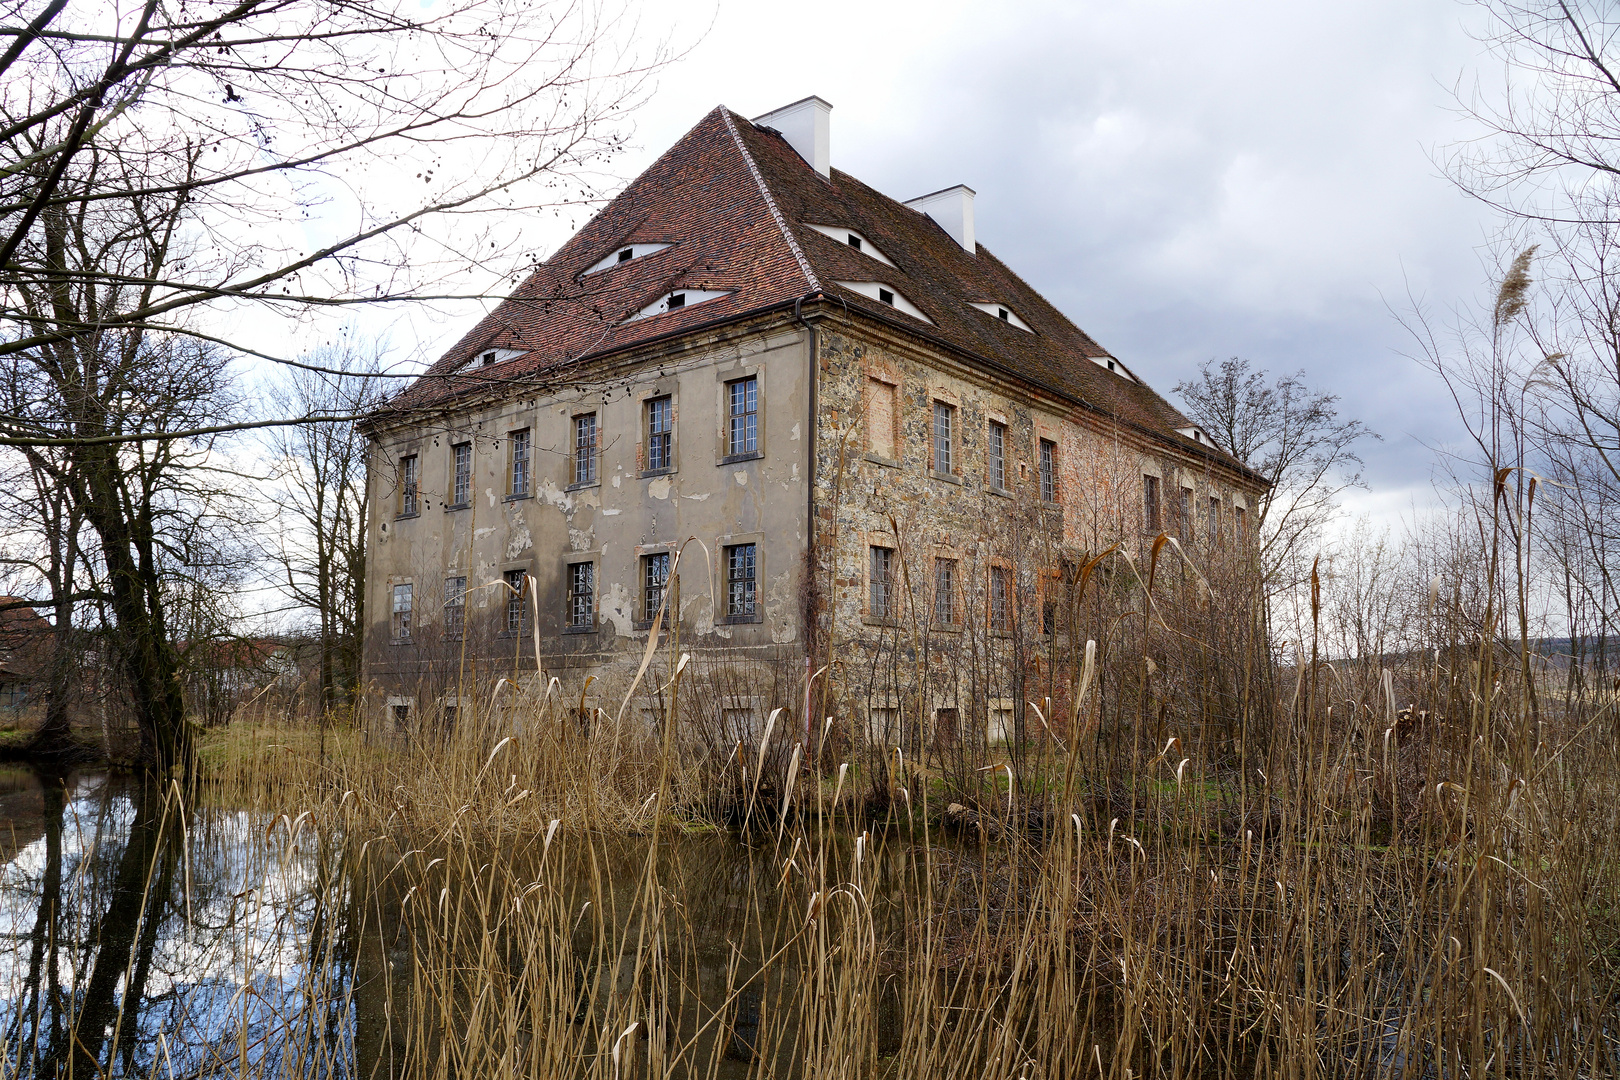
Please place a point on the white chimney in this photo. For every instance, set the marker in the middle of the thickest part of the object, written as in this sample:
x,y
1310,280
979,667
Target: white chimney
x,y
952,210
806,126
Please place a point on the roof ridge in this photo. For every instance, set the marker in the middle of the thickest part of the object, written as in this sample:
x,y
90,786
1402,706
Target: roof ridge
x,y
770,202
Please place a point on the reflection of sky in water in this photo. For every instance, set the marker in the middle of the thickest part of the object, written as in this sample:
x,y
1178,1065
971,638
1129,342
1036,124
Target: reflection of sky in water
x,y
230,960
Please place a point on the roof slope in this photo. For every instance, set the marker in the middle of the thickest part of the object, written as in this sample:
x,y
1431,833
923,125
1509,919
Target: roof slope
x,y
734,203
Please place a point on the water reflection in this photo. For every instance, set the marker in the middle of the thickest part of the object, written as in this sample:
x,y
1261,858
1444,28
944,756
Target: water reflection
x,y
141,940
224,942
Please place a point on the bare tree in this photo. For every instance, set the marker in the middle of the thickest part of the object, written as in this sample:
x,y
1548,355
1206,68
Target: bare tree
x,y
320,482
170,174
1546,158
1295,439
327,152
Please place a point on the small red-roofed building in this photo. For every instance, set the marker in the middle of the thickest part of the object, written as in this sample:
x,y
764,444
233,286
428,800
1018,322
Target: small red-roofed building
x,y
863,434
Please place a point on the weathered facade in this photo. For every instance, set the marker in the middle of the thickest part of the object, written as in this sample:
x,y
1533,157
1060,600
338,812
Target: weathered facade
x,y
871,440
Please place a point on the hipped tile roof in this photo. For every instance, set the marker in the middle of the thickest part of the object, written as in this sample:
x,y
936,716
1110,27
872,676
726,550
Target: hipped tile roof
x,y
734,202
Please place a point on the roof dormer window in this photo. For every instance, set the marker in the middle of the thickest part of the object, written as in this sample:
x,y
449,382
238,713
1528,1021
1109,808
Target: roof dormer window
x,y
490,357
625,254
998,310
885,295
850,238
1116,367
677,300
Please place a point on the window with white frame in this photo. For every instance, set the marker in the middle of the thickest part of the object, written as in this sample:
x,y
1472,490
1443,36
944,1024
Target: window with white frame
x,y
581,595
742,568
402,612
461,474
660,434
944,428
585,449
742,416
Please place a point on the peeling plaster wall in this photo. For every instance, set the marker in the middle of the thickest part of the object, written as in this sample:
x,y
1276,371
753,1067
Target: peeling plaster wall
x,y
624,514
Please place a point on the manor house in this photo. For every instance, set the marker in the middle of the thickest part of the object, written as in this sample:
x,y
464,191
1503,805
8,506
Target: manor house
x,y
860,430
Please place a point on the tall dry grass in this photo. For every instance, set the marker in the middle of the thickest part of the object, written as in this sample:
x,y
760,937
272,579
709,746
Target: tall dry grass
x,y
1414,873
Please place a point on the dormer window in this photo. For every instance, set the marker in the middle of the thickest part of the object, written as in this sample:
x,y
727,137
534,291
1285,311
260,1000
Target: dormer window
x,y
490,357
677,300
887,296
998,310
1196,435
843,234
625,254
1116,367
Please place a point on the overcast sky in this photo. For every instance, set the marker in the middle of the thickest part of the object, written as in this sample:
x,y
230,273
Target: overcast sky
x,y
1185,180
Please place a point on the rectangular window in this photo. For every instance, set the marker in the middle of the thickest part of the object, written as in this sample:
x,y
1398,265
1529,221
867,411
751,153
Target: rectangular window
x,y
402,612
654,576
996,454
880,418
581,595
518,481
882,588
1000,598
585,449
461,474
741,569
1049,481
1150,504
882,725
1184,514
742,416
944,421
660,434
407,485
1242,517
999,728
455,606
945,591
1214,520
517,608
1049,617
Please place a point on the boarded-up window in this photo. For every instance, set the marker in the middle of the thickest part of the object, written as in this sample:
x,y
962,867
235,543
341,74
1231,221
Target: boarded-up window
x,y
880,418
